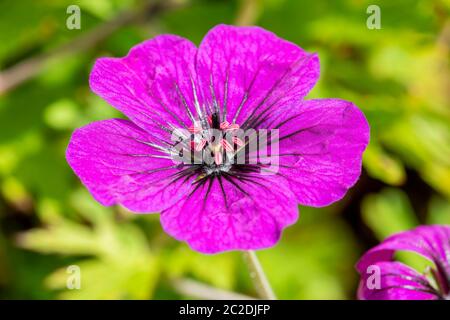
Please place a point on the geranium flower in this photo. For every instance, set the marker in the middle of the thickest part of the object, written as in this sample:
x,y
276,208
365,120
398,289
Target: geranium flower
x,y
239,78
398,281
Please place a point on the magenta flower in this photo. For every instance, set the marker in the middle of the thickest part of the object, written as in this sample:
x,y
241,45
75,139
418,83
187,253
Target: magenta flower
x,y
398,281
238,78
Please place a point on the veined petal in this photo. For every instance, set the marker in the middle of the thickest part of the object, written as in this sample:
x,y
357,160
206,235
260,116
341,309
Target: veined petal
x,y
225,214
432,242
397,282
245,70
153,85
320,148
114,160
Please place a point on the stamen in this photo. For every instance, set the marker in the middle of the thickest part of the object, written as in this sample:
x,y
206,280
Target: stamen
x,y
224,125
218,158
237,141
217,147
231,127
194,129
226,145
200,145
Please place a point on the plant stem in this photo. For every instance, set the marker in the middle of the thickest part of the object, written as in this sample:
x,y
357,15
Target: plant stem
x,y
258,276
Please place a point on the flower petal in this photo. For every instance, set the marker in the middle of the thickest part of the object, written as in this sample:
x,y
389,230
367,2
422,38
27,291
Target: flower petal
x,y
248,69
396,282
115,162
250,216
320,145
152,85
432,242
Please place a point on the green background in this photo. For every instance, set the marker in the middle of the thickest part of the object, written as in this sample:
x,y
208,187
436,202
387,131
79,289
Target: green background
x,y
398,75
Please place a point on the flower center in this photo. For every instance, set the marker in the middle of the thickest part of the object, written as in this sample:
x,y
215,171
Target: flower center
x,y
216,145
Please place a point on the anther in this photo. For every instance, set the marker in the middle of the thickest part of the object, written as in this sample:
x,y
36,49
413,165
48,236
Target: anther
x,y
231,127
200,145
237,141
194,129
226,145
224,125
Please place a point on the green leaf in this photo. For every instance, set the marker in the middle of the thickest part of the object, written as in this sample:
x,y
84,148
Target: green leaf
x,y
383,166
106,274
388,212
62,114
439,212
218,270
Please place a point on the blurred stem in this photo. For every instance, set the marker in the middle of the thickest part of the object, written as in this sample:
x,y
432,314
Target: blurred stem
x,y
248,12
258,276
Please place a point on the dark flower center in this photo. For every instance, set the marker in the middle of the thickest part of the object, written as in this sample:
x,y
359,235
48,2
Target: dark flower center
x,y
213,147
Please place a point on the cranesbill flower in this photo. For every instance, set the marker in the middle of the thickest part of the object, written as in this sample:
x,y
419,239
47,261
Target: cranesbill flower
x,y
397,281
239,79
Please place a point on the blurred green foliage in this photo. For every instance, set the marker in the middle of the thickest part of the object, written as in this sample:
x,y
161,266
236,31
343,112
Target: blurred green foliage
x,y
398,75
